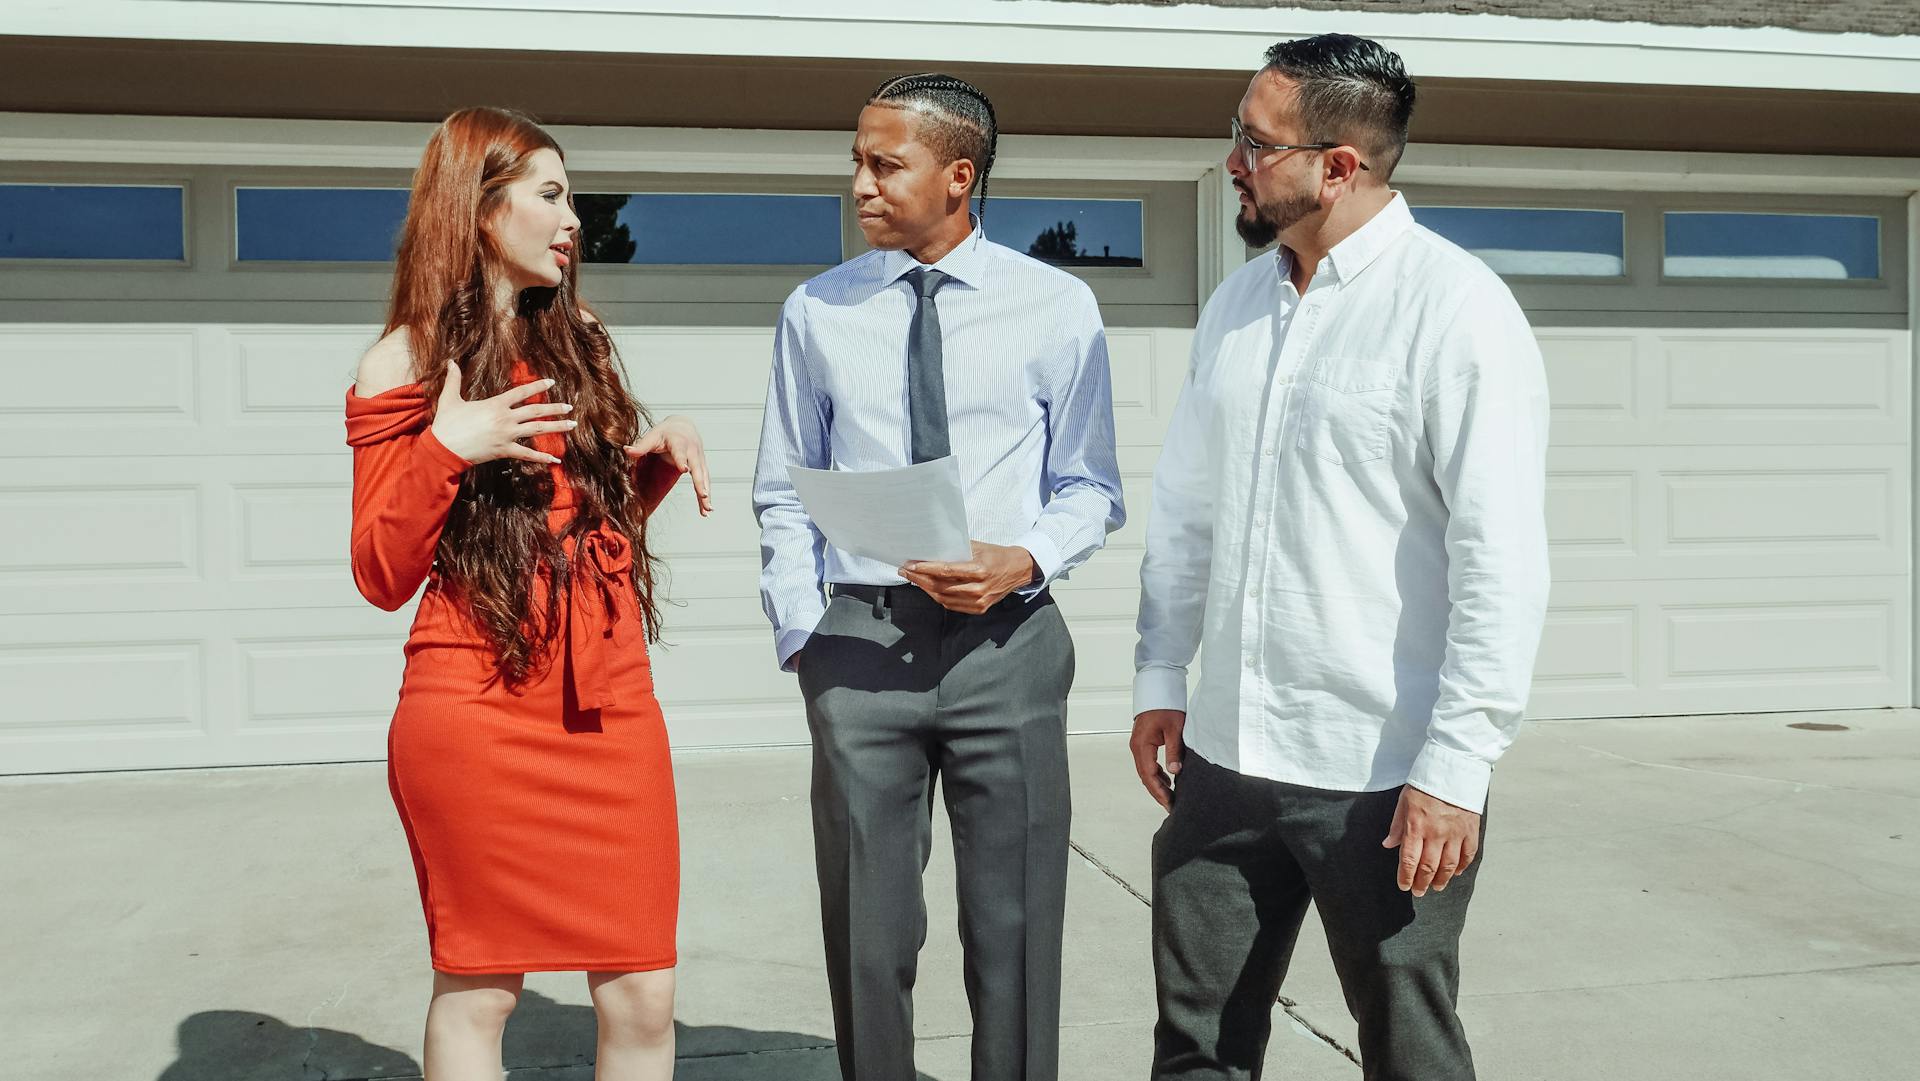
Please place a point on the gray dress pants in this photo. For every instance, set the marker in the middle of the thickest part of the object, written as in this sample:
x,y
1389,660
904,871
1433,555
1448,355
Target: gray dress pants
x,y
901,692
1234,867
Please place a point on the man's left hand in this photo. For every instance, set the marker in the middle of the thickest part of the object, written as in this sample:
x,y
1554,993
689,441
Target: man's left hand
x,y
1436,839
978,584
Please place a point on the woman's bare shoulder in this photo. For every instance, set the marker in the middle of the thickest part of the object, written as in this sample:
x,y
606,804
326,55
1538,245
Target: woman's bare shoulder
x,y
388,364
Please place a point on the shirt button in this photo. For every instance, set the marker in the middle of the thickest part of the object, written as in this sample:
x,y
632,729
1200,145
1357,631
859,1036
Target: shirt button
x,y
1254,592
1268,452
1249,660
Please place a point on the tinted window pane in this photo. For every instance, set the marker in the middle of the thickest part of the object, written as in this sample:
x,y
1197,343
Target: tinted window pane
x,y
331,225
1716,245
78,221
1522,241
1071,232
759,230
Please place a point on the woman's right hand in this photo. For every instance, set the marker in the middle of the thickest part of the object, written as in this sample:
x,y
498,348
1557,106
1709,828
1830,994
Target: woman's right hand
x,y
490,428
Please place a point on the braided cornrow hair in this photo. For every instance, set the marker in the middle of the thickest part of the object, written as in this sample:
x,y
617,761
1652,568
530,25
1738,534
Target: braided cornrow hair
x,y
956,119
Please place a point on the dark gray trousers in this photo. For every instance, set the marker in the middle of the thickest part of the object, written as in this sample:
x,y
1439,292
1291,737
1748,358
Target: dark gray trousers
x,y
901,692
1234,867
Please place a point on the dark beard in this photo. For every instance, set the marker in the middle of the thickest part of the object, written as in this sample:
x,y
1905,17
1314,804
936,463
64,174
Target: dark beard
x,y
1272,219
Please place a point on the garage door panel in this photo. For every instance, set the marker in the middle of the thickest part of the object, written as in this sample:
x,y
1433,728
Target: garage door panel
x,y
97,688
1654,513
1803,510
1148,368
120,690
1769,645
1798,642
339,683
1593,513
1678,387
276,377
173,533
1806,379
64,380
136,390
1593,377
1728,645
93,532
287,530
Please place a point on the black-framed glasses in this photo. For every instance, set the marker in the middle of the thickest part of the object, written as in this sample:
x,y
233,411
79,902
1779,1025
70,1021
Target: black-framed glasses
x,y
1247,144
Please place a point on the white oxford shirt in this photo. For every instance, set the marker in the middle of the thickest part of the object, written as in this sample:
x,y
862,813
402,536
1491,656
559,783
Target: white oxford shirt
x,y
1348,515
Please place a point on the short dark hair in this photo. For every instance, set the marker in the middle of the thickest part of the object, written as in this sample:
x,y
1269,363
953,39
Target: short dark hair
x,y
956,119
1351,90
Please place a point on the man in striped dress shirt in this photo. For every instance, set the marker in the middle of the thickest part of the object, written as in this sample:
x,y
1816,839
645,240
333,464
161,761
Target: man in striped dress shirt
x,y
938,342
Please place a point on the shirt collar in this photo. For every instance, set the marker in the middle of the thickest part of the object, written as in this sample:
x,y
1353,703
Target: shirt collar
x,y
966,263
1354,254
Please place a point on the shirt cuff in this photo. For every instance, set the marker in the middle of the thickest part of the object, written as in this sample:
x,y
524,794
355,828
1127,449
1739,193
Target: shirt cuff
x,y
1159,687
431,446
789,642
1046,556
1460,779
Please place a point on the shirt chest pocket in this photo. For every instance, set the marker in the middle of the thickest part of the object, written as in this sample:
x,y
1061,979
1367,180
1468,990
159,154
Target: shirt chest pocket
x,y
1347,412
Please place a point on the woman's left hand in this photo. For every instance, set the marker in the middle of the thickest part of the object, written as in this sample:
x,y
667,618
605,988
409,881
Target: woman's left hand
x,y
677,440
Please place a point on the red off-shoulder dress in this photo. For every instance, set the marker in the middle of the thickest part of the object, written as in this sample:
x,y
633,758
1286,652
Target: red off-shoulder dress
x,y
542,817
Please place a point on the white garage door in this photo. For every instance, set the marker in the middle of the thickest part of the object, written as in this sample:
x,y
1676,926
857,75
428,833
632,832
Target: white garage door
x,y
1729,518
1729,512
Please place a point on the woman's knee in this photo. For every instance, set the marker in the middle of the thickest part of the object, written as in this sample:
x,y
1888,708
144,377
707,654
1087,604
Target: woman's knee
x,y
634,1007
478,1002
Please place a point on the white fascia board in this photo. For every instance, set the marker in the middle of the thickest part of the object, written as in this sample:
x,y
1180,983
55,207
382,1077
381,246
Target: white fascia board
x,y
1042,32
173,141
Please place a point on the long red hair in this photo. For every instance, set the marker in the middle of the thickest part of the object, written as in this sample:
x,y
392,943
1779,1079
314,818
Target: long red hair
x,y
497,551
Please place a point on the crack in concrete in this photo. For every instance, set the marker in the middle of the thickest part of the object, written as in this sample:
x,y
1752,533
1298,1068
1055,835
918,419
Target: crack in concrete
x,y
1603,752
307,1069
1285,1003
1293,1011
1100,866
1798,858
1732,977
752,1052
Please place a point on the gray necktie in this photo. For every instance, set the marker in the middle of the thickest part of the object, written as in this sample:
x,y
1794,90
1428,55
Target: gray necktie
x,y
926,375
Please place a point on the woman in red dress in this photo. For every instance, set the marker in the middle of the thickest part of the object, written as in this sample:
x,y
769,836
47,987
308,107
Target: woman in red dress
x,y
500,460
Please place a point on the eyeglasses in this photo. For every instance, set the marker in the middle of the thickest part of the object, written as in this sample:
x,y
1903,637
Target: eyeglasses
x,y
1246,144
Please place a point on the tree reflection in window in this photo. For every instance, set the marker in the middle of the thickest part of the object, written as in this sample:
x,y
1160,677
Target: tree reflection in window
x,y
604,238
1071,232
722,229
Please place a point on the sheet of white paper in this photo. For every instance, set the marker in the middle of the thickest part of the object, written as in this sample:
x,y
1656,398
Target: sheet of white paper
x,y
892,515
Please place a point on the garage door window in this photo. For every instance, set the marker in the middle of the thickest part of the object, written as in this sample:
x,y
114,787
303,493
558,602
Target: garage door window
x,y
1805,246
318,225
727,229
1536,242
1073,232
93,221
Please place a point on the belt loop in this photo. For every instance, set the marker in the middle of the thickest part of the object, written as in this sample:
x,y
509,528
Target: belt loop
x,y
880,602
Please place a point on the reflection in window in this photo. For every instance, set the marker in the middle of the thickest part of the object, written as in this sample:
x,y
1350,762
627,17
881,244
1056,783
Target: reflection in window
x,y
318,225
1533,241
1071,232
1722,245
709,230
88,221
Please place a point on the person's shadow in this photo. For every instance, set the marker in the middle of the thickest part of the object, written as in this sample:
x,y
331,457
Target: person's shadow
x,y
545,1040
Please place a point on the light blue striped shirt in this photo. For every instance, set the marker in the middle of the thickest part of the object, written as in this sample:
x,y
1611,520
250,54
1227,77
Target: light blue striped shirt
x,y
1029,415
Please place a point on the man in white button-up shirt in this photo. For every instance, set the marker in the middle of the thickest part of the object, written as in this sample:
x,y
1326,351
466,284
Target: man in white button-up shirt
x,y
1348,526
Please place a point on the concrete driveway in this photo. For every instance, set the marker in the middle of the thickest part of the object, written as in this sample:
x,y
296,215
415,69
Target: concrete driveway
x,y
1702,898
